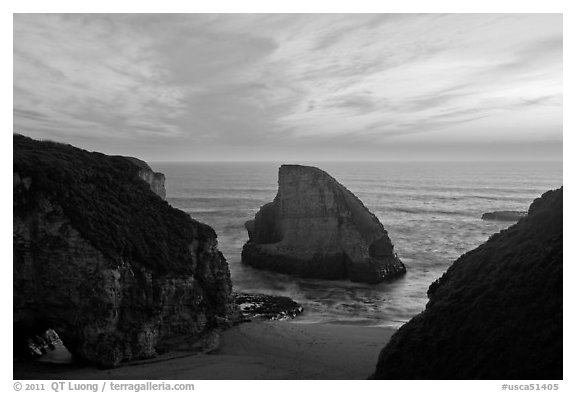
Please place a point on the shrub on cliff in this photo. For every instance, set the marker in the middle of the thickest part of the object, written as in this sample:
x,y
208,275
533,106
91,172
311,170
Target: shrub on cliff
x,y
496,313
108,204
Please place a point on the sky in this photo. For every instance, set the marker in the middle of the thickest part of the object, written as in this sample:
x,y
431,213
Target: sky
x,y
293,87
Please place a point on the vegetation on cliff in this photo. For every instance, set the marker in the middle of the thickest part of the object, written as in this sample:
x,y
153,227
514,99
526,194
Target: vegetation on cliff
x,y
496,313
108,204
104,261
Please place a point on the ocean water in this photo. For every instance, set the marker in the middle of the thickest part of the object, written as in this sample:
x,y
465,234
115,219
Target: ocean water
x,y
431,212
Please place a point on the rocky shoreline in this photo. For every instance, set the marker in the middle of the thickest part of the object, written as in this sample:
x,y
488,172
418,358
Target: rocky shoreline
x,y
266,307
251,307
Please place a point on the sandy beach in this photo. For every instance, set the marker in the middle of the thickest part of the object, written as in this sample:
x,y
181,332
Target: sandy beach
x,y
255,350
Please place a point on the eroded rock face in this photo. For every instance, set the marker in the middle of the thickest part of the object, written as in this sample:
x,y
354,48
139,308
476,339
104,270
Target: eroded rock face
x,y
316,228
496,313
156,180
98,257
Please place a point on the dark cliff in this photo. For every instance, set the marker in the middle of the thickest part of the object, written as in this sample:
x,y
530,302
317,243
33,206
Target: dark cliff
x,y
497,311
315,227
103,260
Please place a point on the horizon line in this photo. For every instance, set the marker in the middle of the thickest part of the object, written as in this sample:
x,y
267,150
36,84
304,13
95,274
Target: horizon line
x,y
349,161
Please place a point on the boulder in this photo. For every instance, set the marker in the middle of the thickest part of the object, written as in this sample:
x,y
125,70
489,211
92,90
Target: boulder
x,y
316,228
105,262
497,311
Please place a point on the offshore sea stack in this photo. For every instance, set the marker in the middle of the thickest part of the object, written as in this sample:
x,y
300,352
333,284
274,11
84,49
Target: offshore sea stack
x,y
100,258
316,228
503,215
497,311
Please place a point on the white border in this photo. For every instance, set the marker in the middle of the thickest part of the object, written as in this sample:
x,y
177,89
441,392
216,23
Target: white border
x,y
250,6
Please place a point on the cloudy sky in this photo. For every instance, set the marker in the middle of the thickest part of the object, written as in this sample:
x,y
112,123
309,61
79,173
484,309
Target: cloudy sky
x,y
293,87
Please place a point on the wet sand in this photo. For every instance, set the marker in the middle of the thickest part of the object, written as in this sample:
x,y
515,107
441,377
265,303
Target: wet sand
x,y
256,350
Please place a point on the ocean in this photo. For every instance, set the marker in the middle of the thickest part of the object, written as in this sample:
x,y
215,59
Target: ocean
x,y
431,212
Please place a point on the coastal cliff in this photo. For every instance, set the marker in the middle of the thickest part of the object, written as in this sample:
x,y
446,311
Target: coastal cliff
x,y
116,271
316,228
497,311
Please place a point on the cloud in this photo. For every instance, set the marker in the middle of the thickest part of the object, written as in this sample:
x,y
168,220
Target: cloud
x,y
347,26
255,81
359,103
29,114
